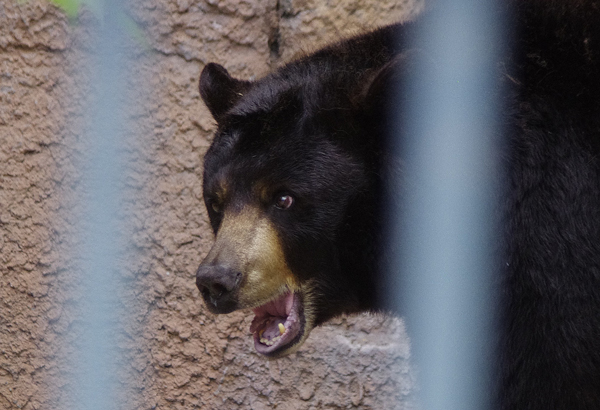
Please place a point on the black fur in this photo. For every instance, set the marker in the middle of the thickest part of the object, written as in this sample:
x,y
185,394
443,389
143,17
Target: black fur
x,y
306,130
551,344
317,129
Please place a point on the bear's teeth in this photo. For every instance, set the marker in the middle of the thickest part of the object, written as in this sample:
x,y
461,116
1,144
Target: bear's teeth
x,y
281,329
269,342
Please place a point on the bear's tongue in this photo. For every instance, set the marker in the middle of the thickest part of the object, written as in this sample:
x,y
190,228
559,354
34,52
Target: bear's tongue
x,y
276,323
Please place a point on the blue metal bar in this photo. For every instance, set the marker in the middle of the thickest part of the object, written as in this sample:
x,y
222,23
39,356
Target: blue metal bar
x,y
97,358
445,232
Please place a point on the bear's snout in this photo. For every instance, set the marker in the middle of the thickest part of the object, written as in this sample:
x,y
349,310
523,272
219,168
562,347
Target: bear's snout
x,y
218,285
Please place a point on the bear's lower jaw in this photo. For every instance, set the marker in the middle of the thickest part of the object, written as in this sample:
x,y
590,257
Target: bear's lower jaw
x,y
279,325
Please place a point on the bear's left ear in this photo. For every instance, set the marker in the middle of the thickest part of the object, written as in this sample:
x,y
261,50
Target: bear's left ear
x,y
219,90
388,83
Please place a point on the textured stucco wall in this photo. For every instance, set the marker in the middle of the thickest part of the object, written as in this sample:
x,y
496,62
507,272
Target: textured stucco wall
x,y
38,141
176,354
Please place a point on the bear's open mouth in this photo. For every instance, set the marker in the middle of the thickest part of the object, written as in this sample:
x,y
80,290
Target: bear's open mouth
x,y
278,324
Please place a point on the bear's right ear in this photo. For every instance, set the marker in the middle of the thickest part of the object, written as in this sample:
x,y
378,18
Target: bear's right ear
x,y
219,90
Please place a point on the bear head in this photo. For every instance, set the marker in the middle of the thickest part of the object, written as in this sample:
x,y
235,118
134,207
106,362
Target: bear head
x,y
291,184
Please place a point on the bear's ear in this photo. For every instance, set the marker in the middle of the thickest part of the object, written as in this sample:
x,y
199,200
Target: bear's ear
x,y
219,90
389,81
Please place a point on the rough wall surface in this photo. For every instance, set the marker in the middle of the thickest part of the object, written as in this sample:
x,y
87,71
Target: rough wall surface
x,y
176,355
37,179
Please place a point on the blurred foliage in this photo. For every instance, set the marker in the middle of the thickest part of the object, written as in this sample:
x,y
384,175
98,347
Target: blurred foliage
x,y
71,7
97,7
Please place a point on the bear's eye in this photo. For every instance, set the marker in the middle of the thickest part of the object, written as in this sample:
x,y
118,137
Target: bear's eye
x,y
217,207
284,201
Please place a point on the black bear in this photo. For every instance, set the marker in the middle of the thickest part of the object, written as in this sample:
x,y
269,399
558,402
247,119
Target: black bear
x,y
294,186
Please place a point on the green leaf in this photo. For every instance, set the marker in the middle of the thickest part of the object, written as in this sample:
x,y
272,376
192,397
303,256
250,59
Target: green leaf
x,y
71,7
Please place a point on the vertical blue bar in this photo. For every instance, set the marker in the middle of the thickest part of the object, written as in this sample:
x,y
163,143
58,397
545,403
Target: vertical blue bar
x,y
446,229
98,355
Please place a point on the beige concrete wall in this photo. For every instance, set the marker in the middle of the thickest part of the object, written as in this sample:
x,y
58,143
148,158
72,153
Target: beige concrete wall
x,y
176,355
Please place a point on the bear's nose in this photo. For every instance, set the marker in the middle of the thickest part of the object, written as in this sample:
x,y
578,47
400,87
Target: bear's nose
x,y
217,284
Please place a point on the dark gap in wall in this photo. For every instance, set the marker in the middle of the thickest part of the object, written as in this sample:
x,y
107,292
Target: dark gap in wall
x,y
275,35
